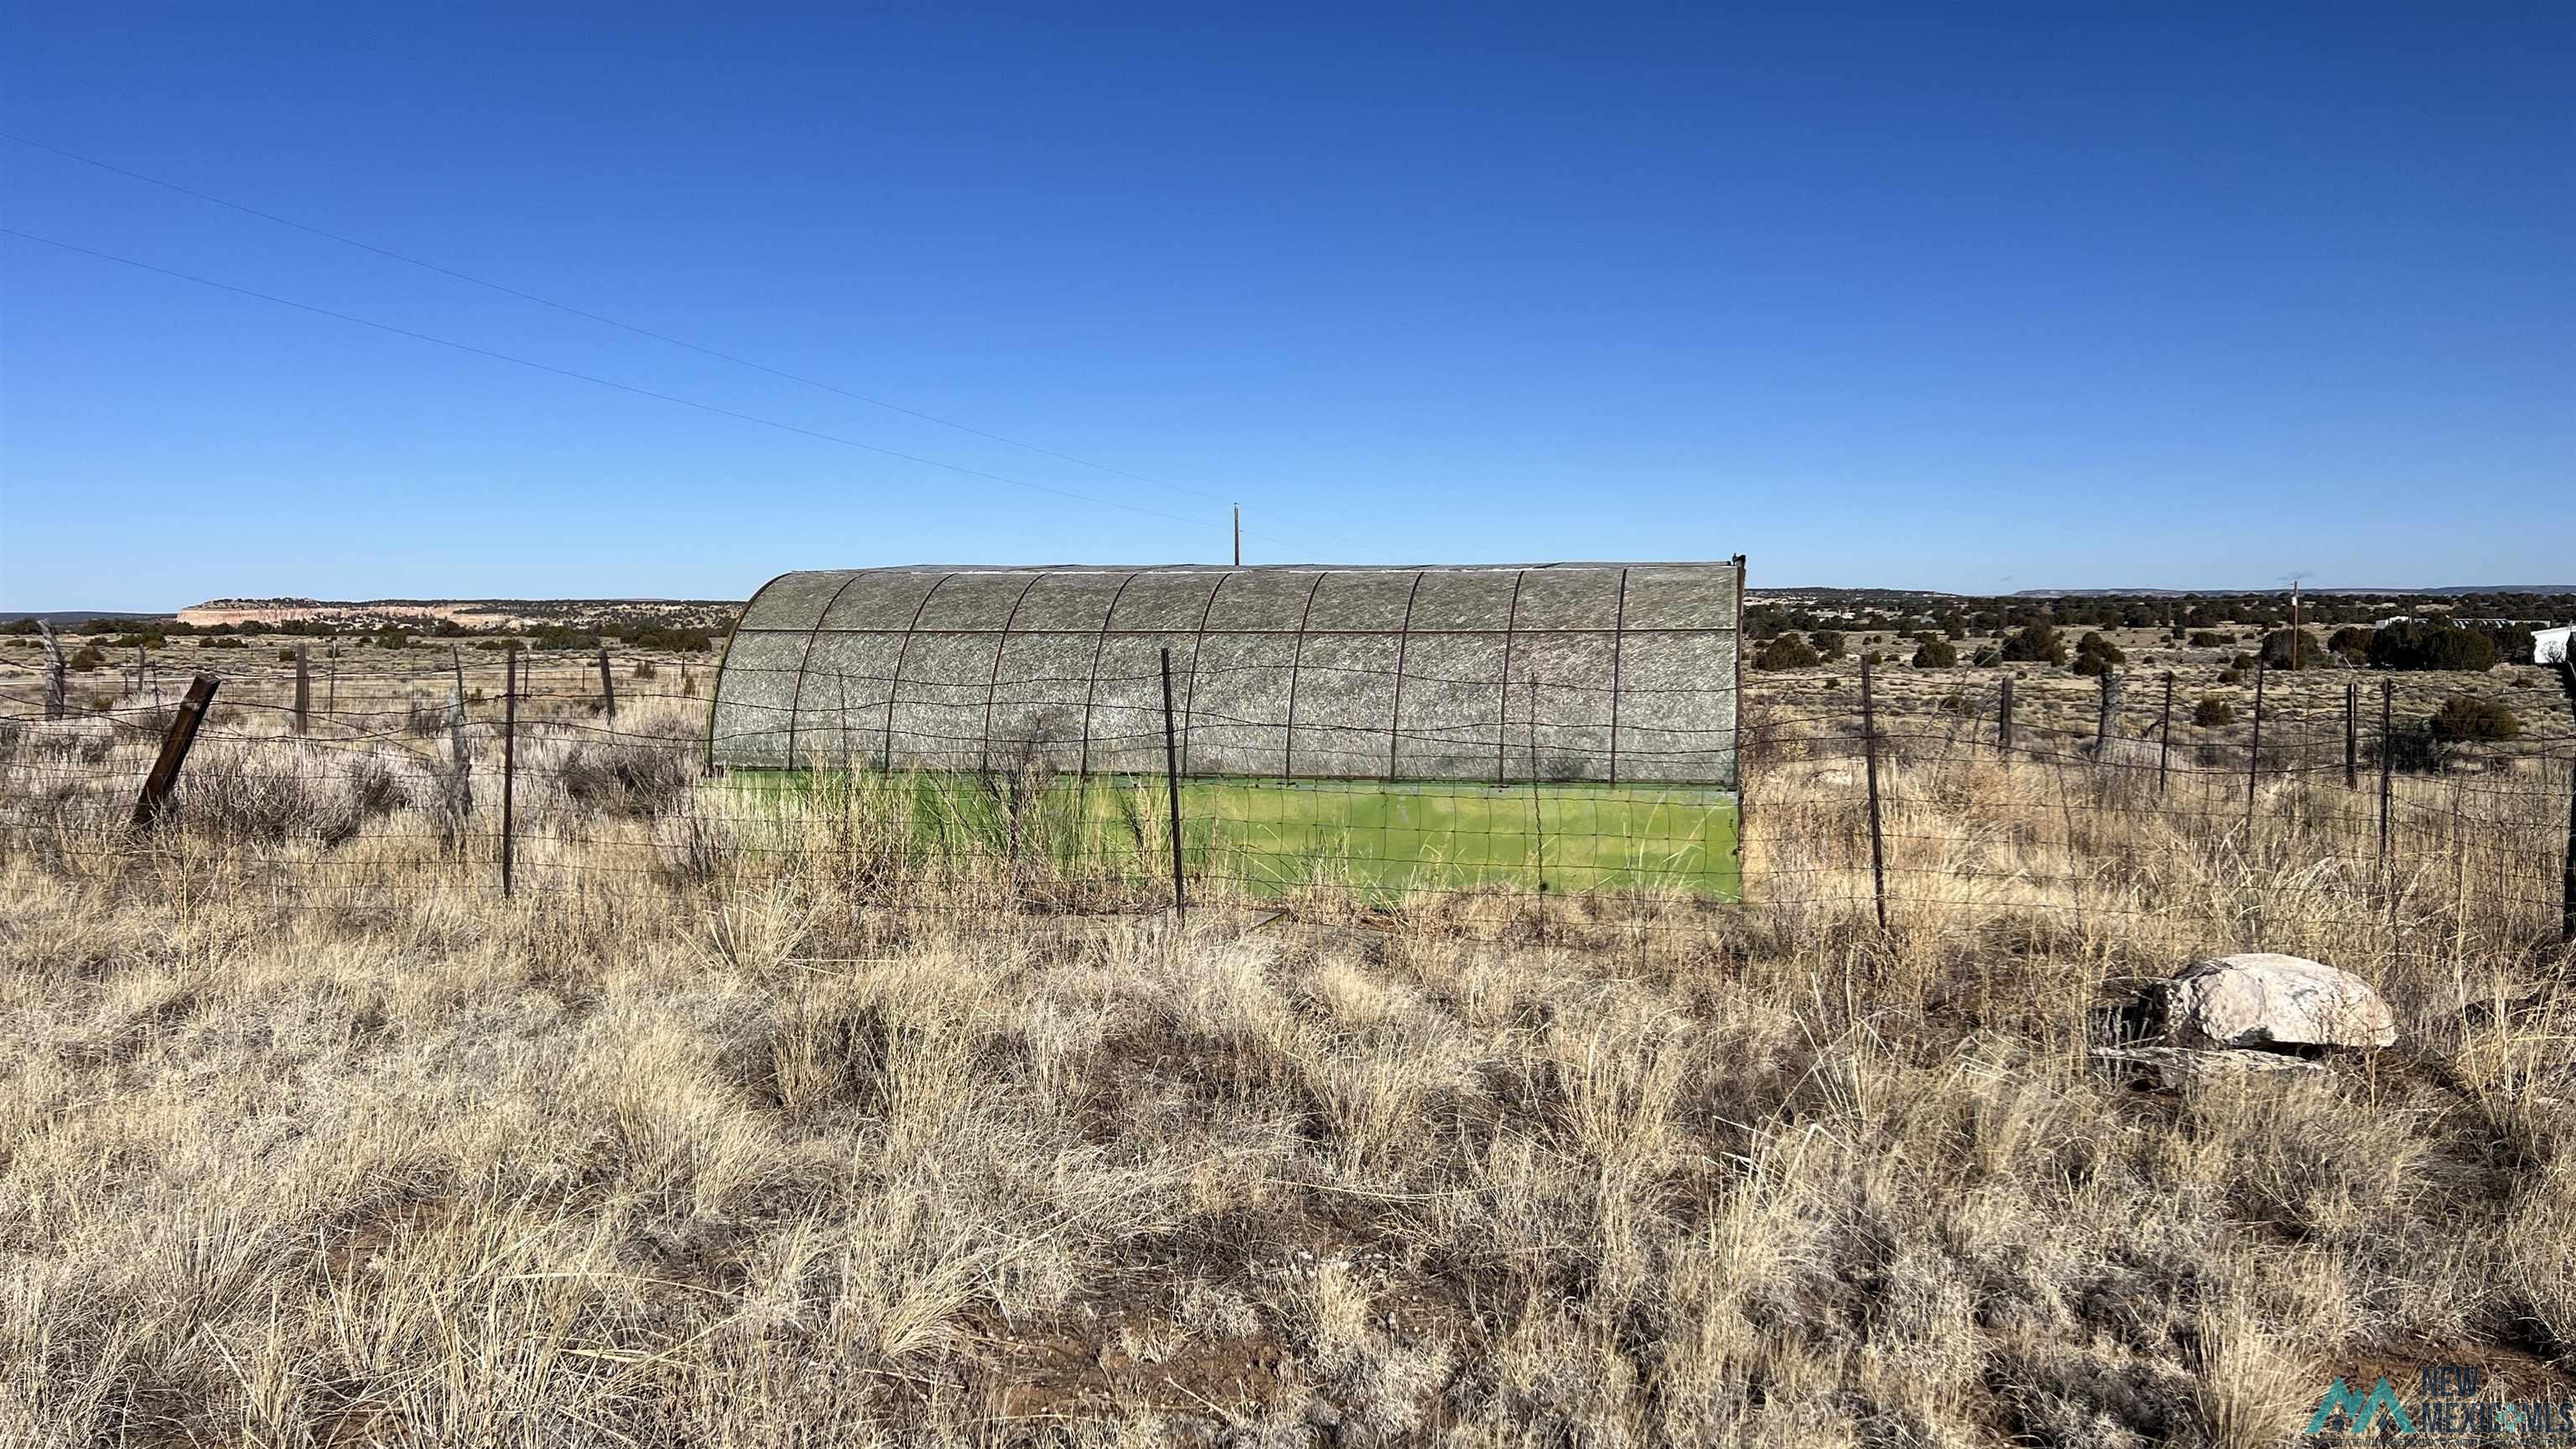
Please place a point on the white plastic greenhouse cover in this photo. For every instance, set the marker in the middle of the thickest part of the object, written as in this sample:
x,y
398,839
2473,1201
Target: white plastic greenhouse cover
x,y
1603,672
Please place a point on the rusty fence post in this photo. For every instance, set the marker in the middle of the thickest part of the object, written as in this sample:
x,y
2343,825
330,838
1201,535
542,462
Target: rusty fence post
x,y
2254,752
1172,774
2567,862
2164,737
2387,761
1869,755
174,751
509,759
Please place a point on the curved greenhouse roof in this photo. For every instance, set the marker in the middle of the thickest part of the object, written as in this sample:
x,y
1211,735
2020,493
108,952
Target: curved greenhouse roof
x,y
1607,672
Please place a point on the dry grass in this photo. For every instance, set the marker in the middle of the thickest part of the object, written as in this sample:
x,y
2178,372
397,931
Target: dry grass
x,y
735,1131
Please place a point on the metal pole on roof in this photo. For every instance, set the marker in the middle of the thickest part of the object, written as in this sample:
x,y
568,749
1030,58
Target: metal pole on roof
x,y
1238,535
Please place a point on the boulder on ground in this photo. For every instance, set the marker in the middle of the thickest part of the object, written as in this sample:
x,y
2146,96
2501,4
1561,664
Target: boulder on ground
x,y
2179,1067
2266,999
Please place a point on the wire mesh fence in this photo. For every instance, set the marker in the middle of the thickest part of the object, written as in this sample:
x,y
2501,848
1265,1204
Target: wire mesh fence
x,y
1934,810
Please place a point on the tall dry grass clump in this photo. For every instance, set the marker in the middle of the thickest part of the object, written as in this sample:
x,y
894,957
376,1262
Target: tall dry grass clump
x,y
758,1116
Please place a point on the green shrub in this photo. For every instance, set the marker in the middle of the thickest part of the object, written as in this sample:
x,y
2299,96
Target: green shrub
x,y
1789,651
2213,713
2210,639
1936,654
1828,643
2431,646
2278,650
2352,643
2464,719
658,636
1987,657
84,659
2096,655
2035,644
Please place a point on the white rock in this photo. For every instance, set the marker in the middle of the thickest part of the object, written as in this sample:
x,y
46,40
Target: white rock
x,y
2263,998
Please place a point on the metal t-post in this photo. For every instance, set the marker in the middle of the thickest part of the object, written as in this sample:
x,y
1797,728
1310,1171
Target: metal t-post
x,y
1172,775
1869,754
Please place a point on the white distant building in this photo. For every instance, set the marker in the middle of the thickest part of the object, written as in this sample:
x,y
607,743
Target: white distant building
x,y
2548,646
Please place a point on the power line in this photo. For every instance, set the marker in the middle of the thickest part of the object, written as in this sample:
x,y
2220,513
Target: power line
x,y
587,315
593,378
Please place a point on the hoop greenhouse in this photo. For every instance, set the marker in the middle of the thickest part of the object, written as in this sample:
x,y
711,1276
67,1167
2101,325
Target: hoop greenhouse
x,y
1569,726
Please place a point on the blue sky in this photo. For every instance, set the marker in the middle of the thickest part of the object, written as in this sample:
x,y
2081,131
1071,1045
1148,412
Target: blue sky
x,y
1961,297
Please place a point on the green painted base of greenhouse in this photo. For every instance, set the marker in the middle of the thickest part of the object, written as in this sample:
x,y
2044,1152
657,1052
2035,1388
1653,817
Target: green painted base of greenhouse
x,y
1271,837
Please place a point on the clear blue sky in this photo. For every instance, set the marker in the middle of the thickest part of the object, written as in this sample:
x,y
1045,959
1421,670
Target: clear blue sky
x,y
1928,296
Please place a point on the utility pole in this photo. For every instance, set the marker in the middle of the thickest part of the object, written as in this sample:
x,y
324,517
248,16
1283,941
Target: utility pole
x,y
1238,535
2294,626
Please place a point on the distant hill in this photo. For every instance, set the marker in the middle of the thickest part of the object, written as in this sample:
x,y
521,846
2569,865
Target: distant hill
x,y
480,614
2444,591
72,618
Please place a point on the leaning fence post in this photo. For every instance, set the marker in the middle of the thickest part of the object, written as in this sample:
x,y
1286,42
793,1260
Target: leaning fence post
x,y
1172,774
174,750
57,688
1869,754
2003,719
509,757
460,786
2164,736
2109,711
607,686
2254,753
303,693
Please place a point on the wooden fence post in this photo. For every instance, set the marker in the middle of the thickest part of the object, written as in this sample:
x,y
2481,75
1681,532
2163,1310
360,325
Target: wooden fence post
x,y
303,693
2164,737
460,784
607,686
509,759
1869,754
2352,734
2003,720
57,688
1172,774
174,751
